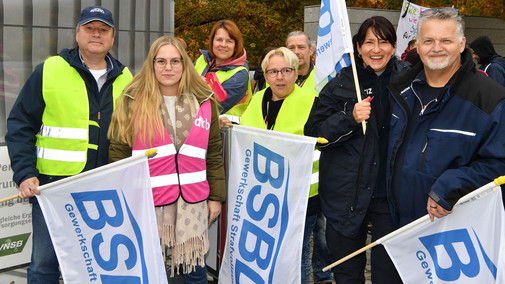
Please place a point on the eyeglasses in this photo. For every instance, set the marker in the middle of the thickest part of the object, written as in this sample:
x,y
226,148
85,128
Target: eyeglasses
x,y
272,73
449,11
174,62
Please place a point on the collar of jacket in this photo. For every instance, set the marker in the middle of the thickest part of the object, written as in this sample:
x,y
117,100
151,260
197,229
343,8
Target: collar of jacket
x,y
73,58
490,59
405,78
228,64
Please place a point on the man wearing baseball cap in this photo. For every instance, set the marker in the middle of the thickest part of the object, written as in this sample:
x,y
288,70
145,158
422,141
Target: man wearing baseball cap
x,y
58,125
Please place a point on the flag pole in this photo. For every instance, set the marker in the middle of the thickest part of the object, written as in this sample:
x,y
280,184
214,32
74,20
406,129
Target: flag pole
x,y
496,182
149,154
9,198
349,256
356,84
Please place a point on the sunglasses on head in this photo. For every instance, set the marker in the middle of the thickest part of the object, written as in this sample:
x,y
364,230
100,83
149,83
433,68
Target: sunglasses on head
x,y
445,10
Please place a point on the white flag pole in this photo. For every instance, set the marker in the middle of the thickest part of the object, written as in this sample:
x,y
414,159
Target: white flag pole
x,y
497,182
356,84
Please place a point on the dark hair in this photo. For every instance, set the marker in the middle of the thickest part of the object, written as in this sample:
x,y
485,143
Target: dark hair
x,y
411,42
234,33
266,51
412,57
381,28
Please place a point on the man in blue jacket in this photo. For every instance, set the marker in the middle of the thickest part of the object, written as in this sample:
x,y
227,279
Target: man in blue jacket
x,y
58,125
491,62
447,124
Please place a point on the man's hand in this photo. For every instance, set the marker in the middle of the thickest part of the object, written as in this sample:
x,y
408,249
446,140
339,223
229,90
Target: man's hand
x,y
436,210
362,110
214,209
29,187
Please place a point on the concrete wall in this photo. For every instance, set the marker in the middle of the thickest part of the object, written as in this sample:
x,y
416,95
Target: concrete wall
x,y
475,26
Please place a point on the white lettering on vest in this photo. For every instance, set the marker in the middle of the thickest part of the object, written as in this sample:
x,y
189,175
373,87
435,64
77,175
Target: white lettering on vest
x,y
203,123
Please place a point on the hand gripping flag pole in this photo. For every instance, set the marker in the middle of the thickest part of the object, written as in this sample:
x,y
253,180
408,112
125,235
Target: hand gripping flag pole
x,y
334,44
497,182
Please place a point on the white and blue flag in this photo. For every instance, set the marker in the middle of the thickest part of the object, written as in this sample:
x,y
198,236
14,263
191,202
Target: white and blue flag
x,y
268,190
466,246
103,225
334,41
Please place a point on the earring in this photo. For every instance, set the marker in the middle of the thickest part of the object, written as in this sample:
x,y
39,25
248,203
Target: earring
x,y
359,55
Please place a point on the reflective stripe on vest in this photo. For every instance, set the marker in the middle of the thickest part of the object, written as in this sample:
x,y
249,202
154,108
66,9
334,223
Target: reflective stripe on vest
x,y
292,117
222,76
62,142
187,176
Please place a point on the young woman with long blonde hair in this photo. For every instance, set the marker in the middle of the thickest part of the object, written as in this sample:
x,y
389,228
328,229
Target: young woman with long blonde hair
x,y
169,107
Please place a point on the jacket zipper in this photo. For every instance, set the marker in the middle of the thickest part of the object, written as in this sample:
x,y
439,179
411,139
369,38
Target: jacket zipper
x,y
99,117
360,166
380,113
99,103
391,161
393,154
424,153
360,171
423,108
177,172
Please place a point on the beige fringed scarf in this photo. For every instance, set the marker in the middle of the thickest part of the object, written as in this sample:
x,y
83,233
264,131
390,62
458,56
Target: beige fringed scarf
x,y
183,227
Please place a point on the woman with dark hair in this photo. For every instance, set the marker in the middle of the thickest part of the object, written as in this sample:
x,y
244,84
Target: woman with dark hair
x,y
352,184
226,69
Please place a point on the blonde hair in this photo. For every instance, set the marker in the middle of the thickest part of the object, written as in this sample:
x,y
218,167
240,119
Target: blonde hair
x,y
288,55
138,110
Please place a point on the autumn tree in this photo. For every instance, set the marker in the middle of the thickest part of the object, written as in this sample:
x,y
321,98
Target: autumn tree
x,y
262,23
266,22
486,8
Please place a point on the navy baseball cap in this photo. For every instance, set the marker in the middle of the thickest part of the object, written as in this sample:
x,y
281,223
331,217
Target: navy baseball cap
x,y
96,13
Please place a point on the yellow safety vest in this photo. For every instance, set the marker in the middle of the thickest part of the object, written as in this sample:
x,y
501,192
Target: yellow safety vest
x,y
62,142
222,76
292,117
308,85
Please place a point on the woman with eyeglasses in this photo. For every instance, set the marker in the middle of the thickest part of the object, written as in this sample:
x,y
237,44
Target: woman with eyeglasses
x,y
224,66
283,106
352,184
168,107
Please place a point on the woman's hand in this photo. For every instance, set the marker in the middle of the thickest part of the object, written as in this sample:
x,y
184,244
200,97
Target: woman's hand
x,y
214,209
362,110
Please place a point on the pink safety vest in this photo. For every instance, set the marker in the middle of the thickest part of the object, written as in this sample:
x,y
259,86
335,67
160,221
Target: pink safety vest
x,y
180,173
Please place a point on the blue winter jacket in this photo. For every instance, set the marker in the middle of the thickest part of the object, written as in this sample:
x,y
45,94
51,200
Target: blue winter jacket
x,y
495,69
25,118
456,145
